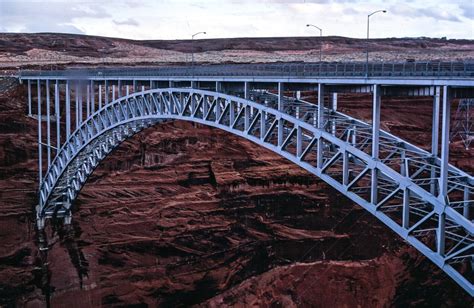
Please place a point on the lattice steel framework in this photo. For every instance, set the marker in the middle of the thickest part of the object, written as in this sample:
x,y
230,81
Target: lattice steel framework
x,y
463,122
421,197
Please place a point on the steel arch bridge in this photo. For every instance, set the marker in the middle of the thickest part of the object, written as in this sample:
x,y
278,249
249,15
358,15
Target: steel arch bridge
x,y
332,146
416,193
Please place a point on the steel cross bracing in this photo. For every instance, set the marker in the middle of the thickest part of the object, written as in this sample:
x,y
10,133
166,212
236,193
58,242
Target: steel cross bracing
x,y
394,180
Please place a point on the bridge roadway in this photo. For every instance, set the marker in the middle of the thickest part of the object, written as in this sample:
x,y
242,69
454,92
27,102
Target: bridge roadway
x,y
416,193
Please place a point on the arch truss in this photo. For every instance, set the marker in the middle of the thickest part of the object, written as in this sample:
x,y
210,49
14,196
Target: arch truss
x,y
399,183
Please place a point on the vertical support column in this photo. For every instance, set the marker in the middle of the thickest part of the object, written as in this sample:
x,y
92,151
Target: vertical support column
x,y
246,90
262,125
247,108
218,109
88,100
170,84
119,88
445,145
48,123
29,98
77,104
151,84
376,108
92,97
135,85
246,117
466,196
403,165
334,101
334,109
320,106
435,125
354,135
193,84
435,137
299,141
40,153
205,107
231,113
58,116
106,100
441,233
127,90
281,93
406,208
81,109
345,168
219,87
320,121
280,108
113,92
68,111
100,96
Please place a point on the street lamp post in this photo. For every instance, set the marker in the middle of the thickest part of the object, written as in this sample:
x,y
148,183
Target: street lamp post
x,y
320,40
192,46
367,42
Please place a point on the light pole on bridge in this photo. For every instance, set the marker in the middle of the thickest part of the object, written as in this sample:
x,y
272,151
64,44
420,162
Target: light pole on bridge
x,y
367,42
192,46
320,40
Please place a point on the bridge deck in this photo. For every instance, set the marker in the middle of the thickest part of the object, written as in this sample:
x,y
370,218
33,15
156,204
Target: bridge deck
x,y
405,73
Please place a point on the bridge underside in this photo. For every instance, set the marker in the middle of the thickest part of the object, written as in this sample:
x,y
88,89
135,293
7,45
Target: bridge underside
x,y
416,193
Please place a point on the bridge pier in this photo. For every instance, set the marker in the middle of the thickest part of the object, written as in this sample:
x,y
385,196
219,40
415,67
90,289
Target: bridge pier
x,y
320,125
76,95
106,92
280,108
376,108
443,194
68,110
29,98
92,87
88,100
57,110
406,208
435,137
40,152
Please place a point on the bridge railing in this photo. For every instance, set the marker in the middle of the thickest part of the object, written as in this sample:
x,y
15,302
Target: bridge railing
x,y
463,69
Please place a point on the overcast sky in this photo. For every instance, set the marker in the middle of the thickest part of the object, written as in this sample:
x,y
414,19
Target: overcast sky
x,y
178,19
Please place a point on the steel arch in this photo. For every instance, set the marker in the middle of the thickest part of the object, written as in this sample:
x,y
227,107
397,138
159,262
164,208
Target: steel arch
x,y
329,145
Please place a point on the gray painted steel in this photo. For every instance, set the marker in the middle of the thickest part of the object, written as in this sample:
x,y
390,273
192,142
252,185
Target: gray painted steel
x,y
419,195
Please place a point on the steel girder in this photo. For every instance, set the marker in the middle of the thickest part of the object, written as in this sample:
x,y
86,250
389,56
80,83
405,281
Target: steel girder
x,y
400,187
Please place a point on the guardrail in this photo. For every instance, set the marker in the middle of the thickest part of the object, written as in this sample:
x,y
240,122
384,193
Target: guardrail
x,y
335,69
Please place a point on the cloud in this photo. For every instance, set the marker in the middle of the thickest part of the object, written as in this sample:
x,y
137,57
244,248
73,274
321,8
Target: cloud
x,y
467,10
34,16
127,22
430,12
168,19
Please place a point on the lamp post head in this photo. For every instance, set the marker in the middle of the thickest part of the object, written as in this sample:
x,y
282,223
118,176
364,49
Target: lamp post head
x,y
307,25
375,12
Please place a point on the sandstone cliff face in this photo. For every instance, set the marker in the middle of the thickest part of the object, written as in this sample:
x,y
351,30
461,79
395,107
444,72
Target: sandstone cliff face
x,y
183,214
